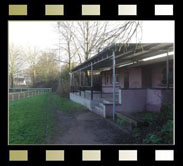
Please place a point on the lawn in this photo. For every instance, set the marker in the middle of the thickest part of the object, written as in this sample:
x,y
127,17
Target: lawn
x,y
32,120
67,105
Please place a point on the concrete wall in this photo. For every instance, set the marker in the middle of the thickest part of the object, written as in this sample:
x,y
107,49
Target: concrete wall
x,y
154,100
109,109
133,100
81,100
136,100
167,96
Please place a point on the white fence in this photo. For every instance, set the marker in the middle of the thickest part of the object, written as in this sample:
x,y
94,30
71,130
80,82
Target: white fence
x,y
21,93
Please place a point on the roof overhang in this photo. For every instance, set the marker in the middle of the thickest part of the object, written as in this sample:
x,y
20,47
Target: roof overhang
x,y
124,54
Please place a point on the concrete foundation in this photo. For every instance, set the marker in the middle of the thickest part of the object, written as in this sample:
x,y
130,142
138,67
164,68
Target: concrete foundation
x,y
84,101
131,101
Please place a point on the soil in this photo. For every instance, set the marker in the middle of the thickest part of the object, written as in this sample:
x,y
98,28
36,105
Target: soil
x,y
86,127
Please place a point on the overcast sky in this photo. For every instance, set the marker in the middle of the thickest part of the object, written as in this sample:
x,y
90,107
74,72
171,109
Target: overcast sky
x,y
42,34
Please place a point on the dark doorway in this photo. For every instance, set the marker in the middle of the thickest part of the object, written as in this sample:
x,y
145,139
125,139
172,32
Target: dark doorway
x,y
146,77
126,80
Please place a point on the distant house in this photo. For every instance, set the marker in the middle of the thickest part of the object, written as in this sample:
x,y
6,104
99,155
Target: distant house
x,y
19,81
127,79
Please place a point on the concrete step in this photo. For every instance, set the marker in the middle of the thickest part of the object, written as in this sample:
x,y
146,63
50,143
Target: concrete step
x,y
110,102
99,110
101,105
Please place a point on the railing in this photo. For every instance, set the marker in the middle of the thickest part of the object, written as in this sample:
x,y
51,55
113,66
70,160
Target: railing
x,y
80,89
21,93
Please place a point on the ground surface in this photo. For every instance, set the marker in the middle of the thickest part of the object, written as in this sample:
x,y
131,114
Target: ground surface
x,y
85,127
49,119
31,120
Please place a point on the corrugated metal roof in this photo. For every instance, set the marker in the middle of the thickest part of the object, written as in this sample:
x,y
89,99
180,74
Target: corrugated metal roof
x,y
124,54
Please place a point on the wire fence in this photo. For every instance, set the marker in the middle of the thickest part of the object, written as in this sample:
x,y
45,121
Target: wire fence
x,y
21,93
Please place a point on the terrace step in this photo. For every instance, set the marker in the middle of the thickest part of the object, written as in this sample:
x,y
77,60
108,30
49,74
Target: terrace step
x,y
131,119
109,102
98,109
101,105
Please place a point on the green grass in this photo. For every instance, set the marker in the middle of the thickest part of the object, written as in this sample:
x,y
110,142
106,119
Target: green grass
x,y
67,105
30,120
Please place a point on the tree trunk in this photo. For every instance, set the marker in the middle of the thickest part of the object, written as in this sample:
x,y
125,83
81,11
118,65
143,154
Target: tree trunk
x,y
12,81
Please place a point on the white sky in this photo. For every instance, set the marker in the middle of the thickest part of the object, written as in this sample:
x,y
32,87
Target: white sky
x,y
41,34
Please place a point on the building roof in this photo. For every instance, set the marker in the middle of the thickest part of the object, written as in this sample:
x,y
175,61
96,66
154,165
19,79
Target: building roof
x,y
20,79
124,54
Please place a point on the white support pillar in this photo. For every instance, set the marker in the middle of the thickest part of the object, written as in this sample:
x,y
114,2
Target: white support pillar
x,y
114,85
120,96
70,81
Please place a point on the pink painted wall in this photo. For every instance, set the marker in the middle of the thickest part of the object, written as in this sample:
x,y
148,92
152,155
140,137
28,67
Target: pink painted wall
x,y
154,100
135,78
133,100
108,88
157,76
137,100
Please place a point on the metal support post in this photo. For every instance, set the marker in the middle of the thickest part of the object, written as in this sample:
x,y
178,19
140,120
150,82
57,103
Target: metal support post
x,y
80,82
114,85
91,81
167,71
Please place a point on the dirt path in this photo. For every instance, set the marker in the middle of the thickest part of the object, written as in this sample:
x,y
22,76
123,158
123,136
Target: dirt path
x,y
85,127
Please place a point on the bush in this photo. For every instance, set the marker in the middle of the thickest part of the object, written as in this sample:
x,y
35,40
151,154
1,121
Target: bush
x,y
152,138
120,121
160,128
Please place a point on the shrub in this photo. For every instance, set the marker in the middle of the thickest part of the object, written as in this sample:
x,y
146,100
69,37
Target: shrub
x,y
160,128
121,122
152,138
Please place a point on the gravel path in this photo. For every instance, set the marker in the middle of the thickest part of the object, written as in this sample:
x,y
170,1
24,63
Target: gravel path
x,y
85,127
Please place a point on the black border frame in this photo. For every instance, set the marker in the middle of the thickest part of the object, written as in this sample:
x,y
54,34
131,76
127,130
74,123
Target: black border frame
x,y
73,153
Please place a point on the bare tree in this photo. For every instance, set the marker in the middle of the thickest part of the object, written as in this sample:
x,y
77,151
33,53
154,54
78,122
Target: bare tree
x,y
16,62
90,37
66,43
32,56
86,38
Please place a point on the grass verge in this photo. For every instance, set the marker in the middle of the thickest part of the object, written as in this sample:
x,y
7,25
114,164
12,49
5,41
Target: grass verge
x,y
67,105
29,122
